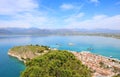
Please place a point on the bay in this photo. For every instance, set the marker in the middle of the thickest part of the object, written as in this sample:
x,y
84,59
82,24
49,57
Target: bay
x,y
11,67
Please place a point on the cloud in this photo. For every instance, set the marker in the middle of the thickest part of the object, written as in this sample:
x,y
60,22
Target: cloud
x,y
27,20
27,13
74,17
97,22
24,14
95,1
99,17
14,23
67,6
79,15
8,7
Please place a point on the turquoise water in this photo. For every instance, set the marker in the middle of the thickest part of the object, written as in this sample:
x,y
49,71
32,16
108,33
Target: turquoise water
x,y
11,67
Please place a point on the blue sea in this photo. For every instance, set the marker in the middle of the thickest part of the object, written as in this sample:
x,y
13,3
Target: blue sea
x,y
11,67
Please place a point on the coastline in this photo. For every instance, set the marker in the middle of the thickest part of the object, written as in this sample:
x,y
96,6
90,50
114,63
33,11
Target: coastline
x,y
19,58
91,60
110,35
101,66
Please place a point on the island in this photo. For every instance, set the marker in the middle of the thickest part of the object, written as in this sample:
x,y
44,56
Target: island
x,y
43,61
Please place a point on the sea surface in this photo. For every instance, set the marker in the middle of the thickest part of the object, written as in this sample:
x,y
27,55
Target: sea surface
x,y
11,67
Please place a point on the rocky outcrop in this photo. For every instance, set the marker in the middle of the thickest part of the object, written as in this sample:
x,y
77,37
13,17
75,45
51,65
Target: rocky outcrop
x,y
25,56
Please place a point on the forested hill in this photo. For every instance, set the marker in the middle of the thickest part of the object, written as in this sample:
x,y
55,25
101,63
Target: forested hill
x,y
42,61
56,64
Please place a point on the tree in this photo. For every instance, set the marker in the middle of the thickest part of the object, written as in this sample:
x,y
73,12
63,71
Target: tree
x,y
56,64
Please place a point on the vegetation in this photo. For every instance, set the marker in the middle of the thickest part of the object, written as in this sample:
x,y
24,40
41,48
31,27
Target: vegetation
x,y
56,63
28,52
118,75
102,65
32,48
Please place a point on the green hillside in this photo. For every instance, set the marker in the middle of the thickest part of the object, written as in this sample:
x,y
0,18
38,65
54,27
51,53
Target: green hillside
x,y
29,48
56,64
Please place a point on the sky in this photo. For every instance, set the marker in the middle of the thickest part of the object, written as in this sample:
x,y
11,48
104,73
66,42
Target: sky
x,y
59,14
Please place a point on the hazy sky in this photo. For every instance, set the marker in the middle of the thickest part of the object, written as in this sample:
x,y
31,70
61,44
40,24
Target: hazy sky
x,y
83,14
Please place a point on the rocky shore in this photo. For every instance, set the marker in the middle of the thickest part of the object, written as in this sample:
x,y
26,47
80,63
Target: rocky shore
x,y
16,56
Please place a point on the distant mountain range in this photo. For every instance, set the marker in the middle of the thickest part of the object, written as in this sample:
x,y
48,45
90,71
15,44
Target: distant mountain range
x,y
37,31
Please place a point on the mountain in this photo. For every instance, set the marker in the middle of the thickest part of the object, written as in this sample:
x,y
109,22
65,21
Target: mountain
x,y
37,31
23,31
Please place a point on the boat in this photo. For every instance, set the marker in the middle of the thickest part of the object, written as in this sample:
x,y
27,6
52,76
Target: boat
x,y
111,57
58,44
89,49
70,44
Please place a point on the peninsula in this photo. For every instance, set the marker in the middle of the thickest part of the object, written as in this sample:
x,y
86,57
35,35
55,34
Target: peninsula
x,y
44,61
24,53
